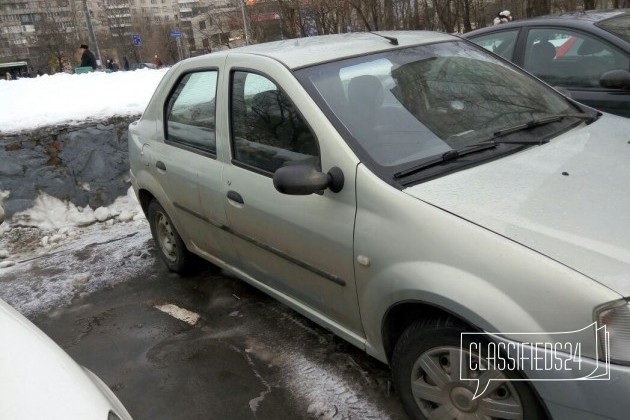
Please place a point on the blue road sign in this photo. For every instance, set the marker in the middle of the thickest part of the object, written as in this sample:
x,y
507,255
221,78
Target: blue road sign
x,y
137,41
176,34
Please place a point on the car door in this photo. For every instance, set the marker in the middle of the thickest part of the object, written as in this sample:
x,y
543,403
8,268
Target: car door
x,y
576,61
299,248
187,163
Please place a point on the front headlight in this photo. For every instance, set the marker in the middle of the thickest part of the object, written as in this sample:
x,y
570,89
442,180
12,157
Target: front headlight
x,y
616,317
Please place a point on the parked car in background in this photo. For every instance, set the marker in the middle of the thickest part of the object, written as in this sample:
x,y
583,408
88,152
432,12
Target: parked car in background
x,y
586,53
38,380
402,189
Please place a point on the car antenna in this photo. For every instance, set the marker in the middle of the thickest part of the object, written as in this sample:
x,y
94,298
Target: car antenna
x,y
391,39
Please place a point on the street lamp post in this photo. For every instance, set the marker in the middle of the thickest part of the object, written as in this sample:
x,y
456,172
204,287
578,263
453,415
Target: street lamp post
x,y
92,35
242,2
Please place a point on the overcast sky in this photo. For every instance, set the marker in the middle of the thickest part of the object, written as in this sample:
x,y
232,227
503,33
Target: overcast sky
x,y
73,98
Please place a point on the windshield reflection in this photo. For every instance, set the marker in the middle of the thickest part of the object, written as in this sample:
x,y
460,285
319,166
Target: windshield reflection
x,y
409,104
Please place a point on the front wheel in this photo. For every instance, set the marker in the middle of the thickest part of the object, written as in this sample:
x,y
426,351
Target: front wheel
x,y
427,367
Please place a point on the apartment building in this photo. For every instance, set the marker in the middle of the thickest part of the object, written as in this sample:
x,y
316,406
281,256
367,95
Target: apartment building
x,y
37,31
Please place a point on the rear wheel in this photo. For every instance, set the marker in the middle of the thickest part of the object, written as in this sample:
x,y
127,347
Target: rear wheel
x,y
170,246
427,364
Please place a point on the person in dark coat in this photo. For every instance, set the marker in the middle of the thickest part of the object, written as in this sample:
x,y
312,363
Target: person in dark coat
x,y
125,63
87,58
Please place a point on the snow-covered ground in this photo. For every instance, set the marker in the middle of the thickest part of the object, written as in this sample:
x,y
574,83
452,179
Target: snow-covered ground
x,y
73,98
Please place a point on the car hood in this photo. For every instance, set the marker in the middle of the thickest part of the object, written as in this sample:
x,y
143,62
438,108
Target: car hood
x,y
568,199
38,380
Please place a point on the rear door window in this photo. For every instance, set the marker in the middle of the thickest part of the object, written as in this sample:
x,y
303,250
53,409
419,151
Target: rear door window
x,y
190,112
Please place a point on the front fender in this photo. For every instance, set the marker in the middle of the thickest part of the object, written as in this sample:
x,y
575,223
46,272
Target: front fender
x,y
408,250
449,289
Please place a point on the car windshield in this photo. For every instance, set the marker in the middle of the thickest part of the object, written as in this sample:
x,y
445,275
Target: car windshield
x,y
619,26
413,103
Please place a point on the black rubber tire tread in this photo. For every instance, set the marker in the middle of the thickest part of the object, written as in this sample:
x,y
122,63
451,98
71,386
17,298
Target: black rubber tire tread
x,y
428,333
185,262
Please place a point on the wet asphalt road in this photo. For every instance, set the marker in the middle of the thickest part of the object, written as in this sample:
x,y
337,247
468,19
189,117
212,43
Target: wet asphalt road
x,y
248,356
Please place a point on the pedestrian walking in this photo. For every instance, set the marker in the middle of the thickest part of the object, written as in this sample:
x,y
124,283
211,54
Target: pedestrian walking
x,y
157,61
87,58
125,64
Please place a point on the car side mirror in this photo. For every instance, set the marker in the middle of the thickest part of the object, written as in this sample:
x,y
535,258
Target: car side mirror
x,y
305,179
615,79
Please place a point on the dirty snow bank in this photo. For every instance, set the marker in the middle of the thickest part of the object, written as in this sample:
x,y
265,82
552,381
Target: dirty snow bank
x,y
55,251
50,213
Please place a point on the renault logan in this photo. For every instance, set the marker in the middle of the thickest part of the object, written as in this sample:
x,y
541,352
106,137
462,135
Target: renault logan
x,y
425,200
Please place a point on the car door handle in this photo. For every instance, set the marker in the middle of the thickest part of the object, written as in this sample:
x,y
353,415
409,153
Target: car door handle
x,y
236,197
160,165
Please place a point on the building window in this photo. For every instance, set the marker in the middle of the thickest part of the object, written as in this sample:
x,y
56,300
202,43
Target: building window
x,y
202,25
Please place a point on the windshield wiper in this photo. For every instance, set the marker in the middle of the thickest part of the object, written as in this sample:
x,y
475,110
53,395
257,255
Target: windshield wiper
x,y
447,156
537,122
492,143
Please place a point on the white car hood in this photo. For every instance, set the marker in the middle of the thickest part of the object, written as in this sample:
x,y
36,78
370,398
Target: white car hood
x,y
568,199
39,381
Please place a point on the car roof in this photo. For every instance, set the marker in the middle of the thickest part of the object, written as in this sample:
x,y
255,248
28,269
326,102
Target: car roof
x,y
593,16
573,19
304,52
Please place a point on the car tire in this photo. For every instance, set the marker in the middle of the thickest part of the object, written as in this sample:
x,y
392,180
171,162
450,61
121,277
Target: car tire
x,y
423,356
171,248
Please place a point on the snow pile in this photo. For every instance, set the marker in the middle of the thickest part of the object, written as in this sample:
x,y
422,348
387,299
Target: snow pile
x,y
72,98
55,251
51,223
50,213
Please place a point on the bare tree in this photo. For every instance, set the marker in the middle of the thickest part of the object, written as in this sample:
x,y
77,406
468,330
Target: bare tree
x,y
116,17
155,39
537,7
56,34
